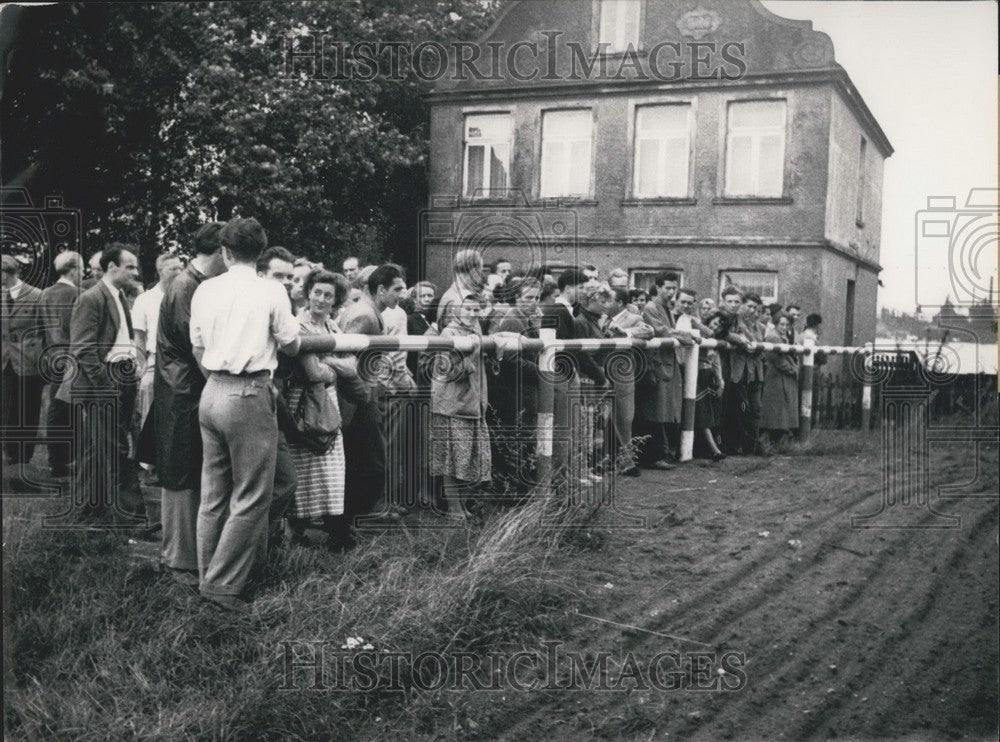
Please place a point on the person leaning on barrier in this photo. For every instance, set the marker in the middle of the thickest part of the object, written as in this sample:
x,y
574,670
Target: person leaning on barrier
x,y
321,476
56,306
624,323
595,301
460,439
780,397
469,278
560,315
513,392
659,392
711,382
278,264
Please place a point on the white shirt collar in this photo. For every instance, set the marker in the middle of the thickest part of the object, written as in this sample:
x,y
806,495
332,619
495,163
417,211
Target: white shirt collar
x,y
66,281
16,289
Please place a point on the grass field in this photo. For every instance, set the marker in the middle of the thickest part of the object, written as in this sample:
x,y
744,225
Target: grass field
x,y
754,554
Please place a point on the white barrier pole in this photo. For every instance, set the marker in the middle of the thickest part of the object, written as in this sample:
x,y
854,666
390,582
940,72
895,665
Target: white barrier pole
x,y
866,390
805,410
546,409
690,393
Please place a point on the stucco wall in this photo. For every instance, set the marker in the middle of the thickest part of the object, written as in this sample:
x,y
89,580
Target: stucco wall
x,y
841,205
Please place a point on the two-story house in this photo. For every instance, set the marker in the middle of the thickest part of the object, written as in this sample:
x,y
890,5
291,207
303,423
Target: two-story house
x,y
710,137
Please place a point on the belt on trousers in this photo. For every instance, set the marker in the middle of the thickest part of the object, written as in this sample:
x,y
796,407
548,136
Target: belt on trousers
x,y
243,375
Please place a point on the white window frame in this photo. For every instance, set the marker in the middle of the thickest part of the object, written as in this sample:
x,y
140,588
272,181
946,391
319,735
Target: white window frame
x,y
737,272
617,39
484,190
543,180
756,134
680,134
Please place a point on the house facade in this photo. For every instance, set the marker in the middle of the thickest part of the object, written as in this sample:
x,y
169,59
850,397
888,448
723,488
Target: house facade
x,y
715,139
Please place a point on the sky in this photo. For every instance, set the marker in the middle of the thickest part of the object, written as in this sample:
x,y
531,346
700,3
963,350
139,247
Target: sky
x,y
928,72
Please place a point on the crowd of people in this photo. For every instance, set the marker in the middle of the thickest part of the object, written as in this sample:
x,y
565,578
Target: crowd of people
x,y
198,386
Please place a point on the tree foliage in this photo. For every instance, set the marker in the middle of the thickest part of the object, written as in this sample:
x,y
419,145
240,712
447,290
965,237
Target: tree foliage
x,y
154,117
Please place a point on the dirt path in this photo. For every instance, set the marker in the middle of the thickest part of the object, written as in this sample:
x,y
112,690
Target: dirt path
x,y
845,632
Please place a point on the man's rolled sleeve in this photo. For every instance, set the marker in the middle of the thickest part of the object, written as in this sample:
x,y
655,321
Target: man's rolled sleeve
x,y
284,326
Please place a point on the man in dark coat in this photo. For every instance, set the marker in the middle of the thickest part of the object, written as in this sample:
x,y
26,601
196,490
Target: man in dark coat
x,y
56,307
22,384
659,392
105,381
177,389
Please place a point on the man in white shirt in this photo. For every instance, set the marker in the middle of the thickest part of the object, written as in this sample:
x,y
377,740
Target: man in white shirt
x,y
239,321
145,317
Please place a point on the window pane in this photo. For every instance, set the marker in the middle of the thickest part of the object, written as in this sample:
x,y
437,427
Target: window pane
x,y
579,169
566,153
647,167
654,120
757,114
498,166
609,16
474,180
762,283
739,166
567,124
487,126
676,167
552,168
628,15
770,166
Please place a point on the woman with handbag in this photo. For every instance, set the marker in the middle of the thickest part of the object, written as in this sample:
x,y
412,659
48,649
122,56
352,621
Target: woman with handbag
x,y
317,448
460,440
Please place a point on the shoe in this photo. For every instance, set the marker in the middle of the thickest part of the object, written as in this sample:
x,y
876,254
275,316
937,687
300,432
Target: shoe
x,y
661,465
718,456
229,603
632,471
183,577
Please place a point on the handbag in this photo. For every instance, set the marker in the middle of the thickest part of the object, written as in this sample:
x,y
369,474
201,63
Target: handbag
x,y
317,419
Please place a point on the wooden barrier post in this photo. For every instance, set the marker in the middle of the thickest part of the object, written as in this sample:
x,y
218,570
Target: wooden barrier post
x,y
866,389
805,409
690,392
546,409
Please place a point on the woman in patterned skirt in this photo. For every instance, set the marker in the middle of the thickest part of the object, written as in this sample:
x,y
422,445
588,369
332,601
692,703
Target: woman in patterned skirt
x,y
320,491
460,445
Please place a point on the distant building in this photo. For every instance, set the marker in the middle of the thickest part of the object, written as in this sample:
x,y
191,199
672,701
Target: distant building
x,y
727,145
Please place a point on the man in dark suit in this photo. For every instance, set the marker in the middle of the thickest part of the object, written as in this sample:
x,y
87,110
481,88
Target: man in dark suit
x,y
101,343
57,309
22,384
